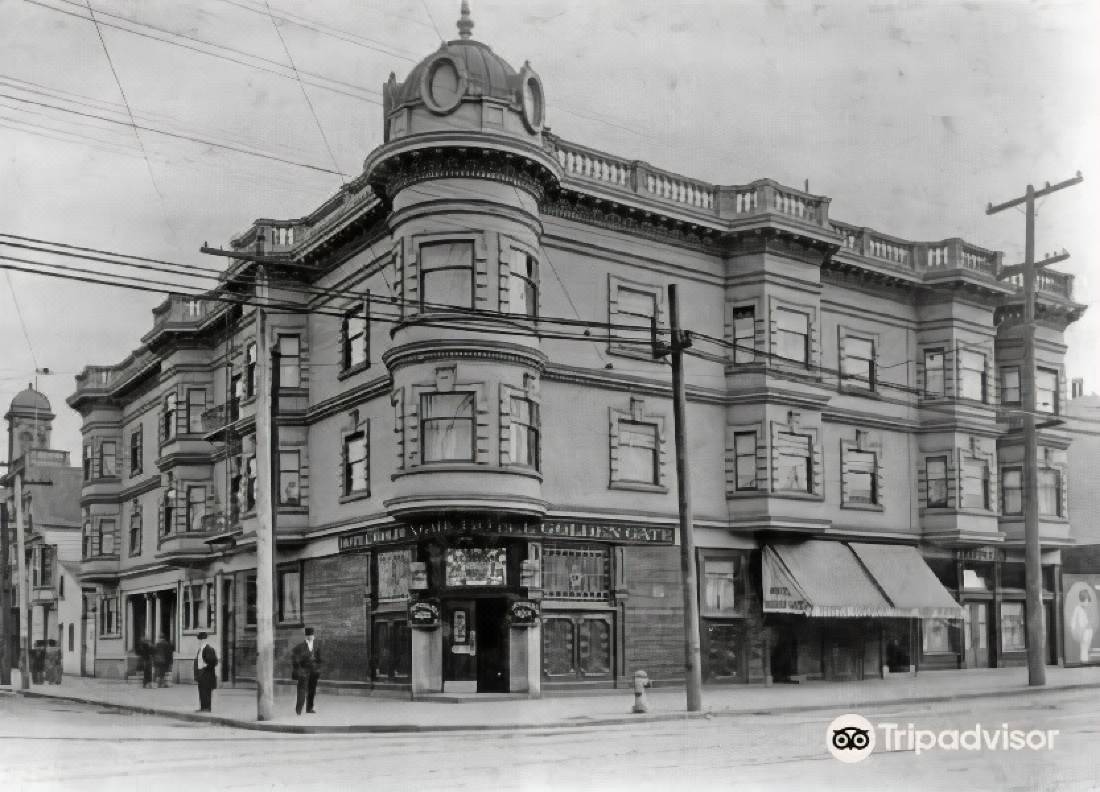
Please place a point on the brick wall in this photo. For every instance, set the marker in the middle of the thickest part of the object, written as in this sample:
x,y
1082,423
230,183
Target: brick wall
x,y
654,618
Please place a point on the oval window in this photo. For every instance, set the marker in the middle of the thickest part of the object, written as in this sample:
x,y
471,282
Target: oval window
x,y
444,84
532,104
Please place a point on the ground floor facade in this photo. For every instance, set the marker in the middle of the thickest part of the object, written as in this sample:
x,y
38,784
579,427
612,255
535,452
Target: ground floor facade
x,y
495,604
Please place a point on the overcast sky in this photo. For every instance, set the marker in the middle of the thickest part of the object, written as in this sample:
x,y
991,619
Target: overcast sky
x,y
911,116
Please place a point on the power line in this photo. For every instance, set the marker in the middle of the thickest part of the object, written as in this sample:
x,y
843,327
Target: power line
x,y
22,321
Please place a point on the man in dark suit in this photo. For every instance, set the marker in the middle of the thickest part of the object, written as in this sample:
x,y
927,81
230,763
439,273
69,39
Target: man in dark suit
x,y
206,660
305,661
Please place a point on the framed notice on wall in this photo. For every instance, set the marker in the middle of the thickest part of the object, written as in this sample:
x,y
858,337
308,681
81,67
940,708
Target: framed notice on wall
x,y
476,566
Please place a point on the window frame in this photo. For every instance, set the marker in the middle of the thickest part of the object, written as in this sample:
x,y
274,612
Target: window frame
x,y
740,456
655,451
102,531
190,505
284,366
632,343
284,473
136,528
945,502
528,283
362,436
1005,389
108,452
531,429
251,358
137,451
1017,472
358,318
782,333
168,416
967,356
985,480
859,467
866,379
195,410
283,573
941,373
425,398
1059,485
736,570
1054,390
424,272
808,487
744,345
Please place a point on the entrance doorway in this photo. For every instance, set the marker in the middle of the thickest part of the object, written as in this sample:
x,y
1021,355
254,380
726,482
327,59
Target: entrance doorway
x,y
977,635
475,646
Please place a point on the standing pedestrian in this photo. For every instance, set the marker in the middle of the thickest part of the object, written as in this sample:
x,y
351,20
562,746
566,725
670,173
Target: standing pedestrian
x,y
145,660
162,658
53,662
305,661
206,660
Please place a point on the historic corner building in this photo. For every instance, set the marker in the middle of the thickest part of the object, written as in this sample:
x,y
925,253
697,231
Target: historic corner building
x,y
474,475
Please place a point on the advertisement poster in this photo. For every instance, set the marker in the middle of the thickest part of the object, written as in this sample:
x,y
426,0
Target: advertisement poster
x,y
1081,611
476,566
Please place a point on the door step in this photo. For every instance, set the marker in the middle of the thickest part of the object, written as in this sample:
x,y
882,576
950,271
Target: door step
x,y
470,698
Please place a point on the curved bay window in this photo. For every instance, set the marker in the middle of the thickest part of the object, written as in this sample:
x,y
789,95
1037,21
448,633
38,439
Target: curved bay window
x,y
446,275
447,427
523,289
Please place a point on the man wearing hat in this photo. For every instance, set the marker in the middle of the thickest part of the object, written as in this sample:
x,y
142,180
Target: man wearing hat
x,y
305,669
206,660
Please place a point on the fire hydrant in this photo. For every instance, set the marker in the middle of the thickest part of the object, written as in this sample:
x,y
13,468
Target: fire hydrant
x,y
641,682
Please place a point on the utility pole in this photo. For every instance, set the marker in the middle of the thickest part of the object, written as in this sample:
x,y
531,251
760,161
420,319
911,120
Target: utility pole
x,y
267,399
5,596
24,589
1033,578
675,349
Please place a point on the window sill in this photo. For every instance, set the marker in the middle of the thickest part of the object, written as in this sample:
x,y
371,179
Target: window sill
x,y
637,486
355,496
351,371
746,493
808,496
868,507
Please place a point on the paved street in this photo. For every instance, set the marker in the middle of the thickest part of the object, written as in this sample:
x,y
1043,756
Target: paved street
x,y
48,744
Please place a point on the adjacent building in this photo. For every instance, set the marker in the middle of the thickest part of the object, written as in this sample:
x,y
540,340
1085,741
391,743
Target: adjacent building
x,y
51,518
474,480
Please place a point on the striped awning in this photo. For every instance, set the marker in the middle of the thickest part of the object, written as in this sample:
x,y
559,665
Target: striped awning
x,y
833,579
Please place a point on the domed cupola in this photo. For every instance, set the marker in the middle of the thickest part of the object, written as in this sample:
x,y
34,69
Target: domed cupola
x,y
464,95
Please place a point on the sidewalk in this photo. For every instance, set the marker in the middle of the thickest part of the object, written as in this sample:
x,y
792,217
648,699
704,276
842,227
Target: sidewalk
x,y
362,714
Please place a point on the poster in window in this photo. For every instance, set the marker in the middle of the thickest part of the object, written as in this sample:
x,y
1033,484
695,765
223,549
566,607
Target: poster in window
x,y
393,574
476,566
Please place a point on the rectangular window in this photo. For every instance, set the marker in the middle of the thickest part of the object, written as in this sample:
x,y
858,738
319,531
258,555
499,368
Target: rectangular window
x,y
858,365
446,275
972,375
236,394
1046,391
168,417
108,615
860,477
196,508
196,406
744,452
576,572
744,334
89,548
1050,492
638,452
1012,627
524,429
936,635
719,578
356,471
934,368
135,529
523,288
89,455
108,458
250,601
354,332
290,361
634,312
1010,385
136,451
447,427
250,371
290,463
106,538
168,505
794,463
290,595
1012,490
935,471
792,335
193,606
975,484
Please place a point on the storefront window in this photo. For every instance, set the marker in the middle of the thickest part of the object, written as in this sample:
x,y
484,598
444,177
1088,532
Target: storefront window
x,y
1012,627
576,573
937,636
719,580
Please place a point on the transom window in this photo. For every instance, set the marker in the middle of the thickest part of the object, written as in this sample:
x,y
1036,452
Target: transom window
x,y
934,367
447,427
794,462
972,376
858,365
524,432
638,451
447,275
523,279
935,469
792,335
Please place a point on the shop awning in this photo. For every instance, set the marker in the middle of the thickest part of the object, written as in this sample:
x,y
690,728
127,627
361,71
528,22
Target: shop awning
x,y
907,581
832,579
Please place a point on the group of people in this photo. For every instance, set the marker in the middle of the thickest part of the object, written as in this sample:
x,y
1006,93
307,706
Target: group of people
x,y
45,659
305,660
155,658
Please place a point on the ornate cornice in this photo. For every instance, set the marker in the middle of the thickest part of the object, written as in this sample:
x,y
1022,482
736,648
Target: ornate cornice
x,y
473,349
403,170
581,208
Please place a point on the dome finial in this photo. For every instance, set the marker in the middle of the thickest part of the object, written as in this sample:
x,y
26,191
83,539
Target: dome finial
x,y
465,24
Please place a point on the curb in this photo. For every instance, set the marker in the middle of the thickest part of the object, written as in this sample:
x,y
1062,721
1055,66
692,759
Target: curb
x,y
583,722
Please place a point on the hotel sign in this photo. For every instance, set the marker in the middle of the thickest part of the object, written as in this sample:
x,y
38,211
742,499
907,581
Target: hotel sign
x,y
549,529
